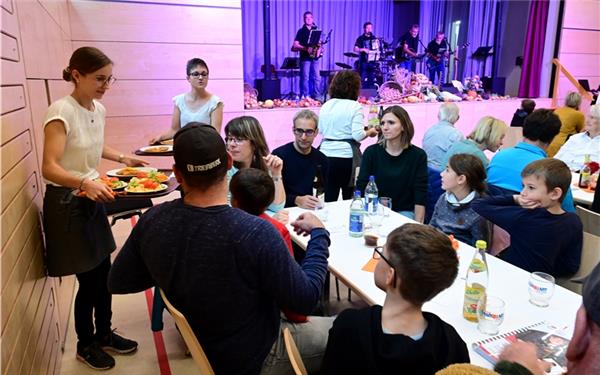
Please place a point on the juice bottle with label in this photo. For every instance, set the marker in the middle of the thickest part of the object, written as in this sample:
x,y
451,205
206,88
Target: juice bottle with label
x,y
477,282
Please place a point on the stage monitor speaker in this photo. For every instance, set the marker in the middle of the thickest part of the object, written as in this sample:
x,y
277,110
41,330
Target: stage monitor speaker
x,y
495,85
368,93
268,89
449,87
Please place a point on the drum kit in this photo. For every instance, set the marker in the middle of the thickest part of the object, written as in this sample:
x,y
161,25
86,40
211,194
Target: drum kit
x,y
381,60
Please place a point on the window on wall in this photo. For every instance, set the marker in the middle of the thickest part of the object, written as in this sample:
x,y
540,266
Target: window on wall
x,y
452,61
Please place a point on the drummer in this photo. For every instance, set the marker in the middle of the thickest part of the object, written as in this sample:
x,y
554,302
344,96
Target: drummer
x,y
369,48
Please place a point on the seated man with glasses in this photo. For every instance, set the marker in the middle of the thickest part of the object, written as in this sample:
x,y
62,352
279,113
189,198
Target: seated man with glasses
x,y
302,163
416,264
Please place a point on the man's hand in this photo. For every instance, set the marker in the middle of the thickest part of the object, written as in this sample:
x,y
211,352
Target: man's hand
x,y
307,201
305,223
525,203
525,354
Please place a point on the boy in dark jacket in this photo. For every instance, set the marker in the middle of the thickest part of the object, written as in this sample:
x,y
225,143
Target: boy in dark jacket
x,y
416,264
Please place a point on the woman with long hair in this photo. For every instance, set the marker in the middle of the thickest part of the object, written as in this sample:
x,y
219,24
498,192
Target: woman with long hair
x,y
197,105
248,147
79,239
399,167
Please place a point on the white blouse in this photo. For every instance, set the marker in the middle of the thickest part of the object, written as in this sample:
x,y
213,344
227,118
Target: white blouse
x,y
201,114
340,119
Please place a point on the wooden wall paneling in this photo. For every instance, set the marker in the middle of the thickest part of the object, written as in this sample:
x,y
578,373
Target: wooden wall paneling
x,y
42,59
54,363
211,3
10,294
65,288
38,358
579,64
46,358
14,212
14,151
13,124
580,41
7,5
38,105
13,98
59,12
174,24
10,47
154,98
167,61
36,308
14,180
582,14
13,73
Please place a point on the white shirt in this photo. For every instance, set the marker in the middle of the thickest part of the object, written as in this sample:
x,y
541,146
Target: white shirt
x,y
576,147
340,119
202,114
85,136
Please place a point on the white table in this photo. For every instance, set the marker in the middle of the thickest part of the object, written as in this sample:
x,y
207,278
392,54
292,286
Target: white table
x,y
580,195
348,255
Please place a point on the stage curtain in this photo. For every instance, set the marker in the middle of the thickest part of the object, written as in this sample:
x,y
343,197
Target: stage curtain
x,y
529,85
432,19
344,17
482,21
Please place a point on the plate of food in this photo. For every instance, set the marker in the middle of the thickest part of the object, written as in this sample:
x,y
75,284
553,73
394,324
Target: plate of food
x,y
129,172
112,182
158,149
144,186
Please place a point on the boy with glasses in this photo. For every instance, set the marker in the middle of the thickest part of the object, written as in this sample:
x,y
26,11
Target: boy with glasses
x,y
416,264
302,163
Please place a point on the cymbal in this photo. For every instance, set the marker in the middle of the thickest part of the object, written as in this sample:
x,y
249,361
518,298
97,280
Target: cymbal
x,y
351,54
342,65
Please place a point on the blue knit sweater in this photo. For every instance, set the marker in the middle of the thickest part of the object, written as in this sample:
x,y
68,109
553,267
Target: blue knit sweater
x,y
460,220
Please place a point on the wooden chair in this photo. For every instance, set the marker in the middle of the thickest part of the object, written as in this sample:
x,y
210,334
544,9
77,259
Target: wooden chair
x,y
590,252
189,337
293,353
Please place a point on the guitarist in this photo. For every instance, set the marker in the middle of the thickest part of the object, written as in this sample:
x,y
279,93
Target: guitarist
x,y
437,52
310,81
409,45
364,44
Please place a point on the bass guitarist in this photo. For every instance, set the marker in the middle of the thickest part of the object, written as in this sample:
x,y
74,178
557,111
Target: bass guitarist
x,y
437,52
310,81
406,52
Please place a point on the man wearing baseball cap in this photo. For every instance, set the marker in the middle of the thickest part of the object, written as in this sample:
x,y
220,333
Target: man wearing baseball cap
x,y
583,353
228,272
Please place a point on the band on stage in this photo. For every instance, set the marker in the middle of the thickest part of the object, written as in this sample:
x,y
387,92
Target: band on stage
x,y
376,60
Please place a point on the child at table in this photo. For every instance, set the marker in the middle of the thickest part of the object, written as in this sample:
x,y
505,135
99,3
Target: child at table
x,y
463,180
543,236
416,263
252,190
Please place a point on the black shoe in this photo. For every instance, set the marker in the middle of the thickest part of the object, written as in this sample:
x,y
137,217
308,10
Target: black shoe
x,y
117,344
93,356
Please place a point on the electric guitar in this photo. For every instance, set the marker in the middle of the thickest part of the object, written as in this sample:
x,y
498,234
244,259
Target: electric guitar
x,y
433,60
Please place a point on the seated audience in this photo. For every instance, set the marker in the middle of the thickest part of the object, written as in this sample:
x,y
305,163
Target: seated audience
x,y
416,263
527,106
438,138
248,147
504,171
487,135
252,190
399,167
543,236
341,122
583,352
302,163
586,143
571,120
463,180
228,272
197,105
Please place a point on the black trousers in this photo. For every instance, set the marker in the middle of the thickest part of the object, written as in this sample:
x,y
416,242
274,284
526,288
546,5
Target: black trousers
x,y
340,170
93,304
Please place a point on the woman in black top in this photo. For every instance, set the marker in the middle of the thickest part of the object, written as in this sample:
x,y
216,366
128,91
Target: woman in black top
x,y
400,168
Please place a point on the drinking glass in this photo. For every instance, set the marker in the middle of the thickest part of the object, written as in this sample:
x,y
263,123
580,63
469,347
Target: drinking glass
x,y
321,210
490,314
376,217
387,203
541,288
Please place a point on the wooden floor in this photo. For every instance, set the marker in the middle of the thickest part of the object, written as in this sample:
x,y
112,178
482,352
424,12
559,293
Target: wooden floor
x,y
131,319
